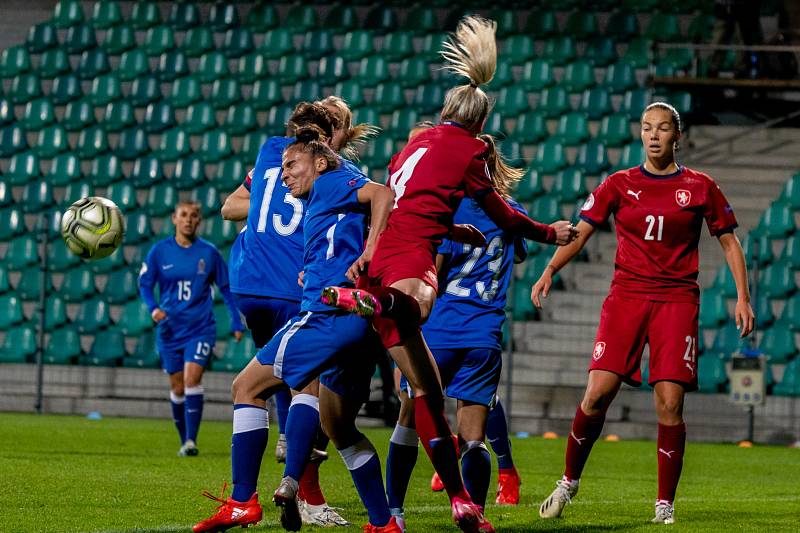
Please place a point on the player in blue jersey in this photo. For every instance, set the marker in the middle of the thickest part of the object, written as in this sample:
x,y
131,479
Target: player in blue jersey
x,y
184,267
318,341
464,333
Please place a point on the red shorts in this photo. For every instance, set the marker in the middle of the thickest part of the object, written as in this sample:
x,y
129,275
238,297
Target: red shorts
x,y
669,328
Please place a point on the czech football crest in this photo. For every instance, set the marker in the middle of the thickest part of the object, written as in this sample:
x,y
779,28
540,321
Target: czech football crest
x,y
599,350
683,197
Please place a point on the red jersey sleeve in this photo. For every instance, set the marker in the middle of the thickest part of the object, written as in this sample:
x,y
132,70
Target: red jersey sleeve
x,y
718,212
476,178
601,203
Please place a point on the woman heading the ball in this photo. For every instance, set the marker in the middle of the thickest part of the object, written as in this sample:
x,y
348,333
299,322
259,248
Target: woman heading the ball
x,y
184,267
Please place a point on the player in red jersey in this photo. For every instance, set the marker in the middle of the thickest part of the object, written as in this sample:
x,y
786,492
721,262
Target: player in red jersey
x,y
429,177
659,208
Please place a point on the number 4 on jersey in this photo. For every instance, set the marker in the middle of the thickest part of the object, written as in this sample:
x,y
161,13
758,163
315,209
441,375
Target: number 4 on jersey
x,y
400,178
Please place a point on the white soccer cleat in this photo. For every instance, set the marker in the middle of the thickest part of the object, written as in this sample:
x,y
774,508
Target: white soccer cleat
x,y
280,449
189,449
561,496
320,515
665,513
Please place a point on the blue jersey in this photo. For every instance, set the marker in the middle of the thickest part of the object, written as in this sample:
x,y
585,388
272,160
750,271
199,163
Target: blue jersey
x,y
334,229
471,311
268,253
184,277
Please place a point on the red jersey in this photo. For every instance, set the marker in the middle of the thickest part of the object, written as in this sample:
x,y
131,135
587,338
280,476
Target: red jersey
x,y
658,223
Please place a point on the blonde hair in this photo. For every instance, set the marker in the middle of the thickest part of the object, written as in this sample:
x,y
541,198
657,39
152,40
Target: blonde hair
x,y
470,52
504,176
355,135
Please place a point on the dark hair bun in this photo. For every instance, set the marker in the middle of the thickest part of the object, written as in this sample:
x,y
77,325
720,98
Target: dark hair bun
x,y
307,135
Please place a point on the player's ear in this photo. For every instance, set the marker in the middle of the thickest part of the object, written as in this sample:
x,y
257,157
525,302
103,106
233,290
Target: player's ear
x,y
320,164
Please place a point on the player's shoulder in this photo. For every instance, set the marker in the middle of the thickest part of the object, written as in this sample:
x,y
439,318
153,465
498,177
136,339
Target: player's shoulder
x,y
273,147
206,245
699,176
166,242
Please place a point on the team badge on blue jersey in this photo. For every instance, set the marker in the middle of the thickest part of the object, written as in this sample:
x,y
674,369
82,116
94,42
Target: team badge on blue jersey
x,y
201,266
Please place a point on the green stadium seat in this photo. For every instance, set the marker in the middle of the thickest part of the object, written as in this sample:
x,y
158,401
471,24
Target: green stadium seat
x,y
119,39
507,22
578,76
14,61
763,311
75,190
779,344
132,143
749,243
331,70
147,170
137,230
292,68
306,90
53,63
777,221
428,98
711,374
190,172
519,49
550,157
511,101
41,37
622,26
60,259
118,116
503,76
240,119
51,141
229,174
277,119
105,89
174,144
431,46
92,142
92,64
600,51
401,122
159,39
381,19
184,16
342,18
663,27
277,43
108,349
144,354
495,126
37,196
620,77
615,130
553,102
632,156
537,75
66,88
123,194
197,41
5,287
790,382
200,117
79,39
6,112
388,98
22,252
677,59
633,103
522,307
68,13
569,185
414,71
12,223
251,143
582,25
791,251
350,91
253,67
302,17
10,311
55,310
63,347
219,231
78,285
236,355
167,230
19,345
158,117
724,282
105,170
727,341
12,141
172,65
24,88
318,44
22,168
595,103
546,209
531,127
225,93
93,316
542,25
213,66
223,17
378,152
592,158
262,17
777,280
208,198
372,70
121,287
559,50
573,129
357,45
215,145
6,198
713,309
701,28
265,94
132,65
161,199
397,45
134,319
106,14
420,20
29,285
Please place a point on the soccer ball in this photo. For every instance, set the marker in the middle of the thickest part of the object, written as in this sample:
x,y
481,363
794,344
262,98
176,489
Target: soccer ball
x,y
93,227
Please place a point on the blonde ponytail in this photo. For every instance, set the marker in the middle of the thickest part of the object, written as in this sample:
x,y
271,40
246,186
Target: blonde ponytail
x,y
504,176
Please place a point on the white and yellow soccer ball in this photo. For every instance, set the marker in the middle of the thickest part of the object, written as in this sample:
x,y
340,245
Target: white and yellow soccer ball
x,y
93,227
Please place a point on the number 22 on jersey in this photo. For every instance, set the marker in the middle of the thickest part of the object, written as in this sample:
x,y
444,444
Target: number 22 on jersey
x,y
271,176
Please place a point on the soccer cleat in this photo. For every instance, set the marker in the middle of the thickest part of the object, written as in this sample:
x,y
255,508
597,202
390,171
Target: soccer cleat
x,y
508,483
665,513
320,515
356,301
399,517
436,483
390,527
230,513
189,449
285,497
280,449
317,456
468,516
561,496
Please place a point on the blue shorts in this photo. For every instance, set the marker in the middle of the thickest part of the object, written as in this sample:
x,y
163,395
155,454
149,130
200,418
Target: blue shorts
x,y
197,350
469,374
314,342
351,376
265,315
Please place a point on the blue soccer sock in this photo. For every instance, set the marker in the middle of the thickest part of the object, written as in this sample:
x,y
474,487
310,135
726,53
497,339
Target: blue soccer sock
x,y
403,451
497,435
365,469
194,411
476,468
178,414
283,399
249,440
301,432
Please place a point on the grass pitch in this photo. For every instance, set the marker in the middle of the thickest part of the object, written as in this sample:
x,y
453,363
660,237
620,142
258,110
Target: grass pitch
x,y
64,474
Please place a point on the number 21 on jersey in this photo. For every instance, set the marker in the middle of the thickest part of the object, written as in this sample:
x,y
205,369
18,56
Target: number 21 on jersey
x,y
399,179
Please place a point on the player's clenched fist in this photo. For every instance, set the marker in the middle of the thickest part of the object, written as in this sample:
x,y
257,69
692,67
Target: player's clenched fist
x,y
565,232
158,315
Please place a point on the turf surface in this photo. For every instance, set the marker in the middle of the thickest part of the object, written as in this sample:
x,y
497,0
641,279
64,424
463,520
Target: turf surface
x,y
63,474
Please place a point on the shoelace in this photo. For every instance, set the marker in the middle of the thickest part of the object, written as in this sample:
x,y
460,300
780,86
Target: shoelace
x,y
564,493
330,513
221,498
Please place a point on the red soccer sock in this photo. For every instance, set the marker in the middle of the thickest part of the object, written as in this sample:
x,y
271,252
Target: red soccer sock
x,y
585,431
671,445
309,485
439,443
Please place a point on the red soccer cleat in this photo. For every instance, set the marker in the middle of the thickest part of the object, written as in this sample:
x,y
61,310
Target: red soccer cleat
x,y
468,516
391,527
230,513
356,301
436,483
508,482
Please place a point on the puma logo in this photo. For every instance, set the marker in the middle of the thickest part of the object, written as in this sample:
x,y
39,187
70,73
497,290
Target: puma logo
x,y
634,194
579,441
665,452
691,369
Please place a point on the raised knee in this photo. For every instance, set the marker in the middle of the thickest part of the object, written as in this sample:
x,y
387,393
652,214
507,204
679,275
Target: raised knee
x,y
594,403
177,391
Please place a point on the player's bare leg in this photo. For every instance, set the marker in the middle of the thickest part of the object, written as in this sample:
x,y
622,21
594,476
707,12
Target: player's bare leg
x,y
669,398
590,416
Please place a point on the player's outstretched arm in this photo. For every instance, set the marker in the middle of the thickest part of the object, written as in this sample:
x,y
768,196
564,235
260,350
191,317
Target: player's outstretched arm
x,y
380,198
562,256
734,255
237,204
